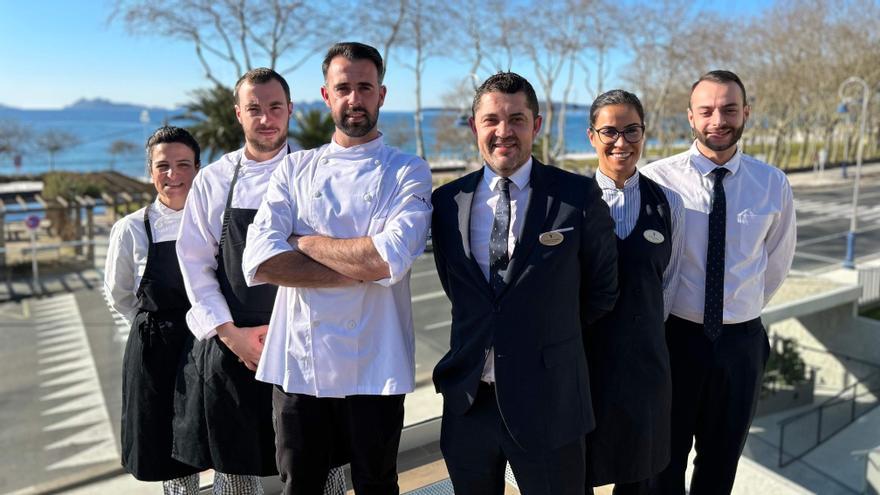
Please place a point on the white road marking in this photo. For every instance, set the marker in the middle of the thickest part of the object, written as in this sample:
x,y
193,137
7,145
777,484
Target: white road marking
x,y
66,361
439,324
428,296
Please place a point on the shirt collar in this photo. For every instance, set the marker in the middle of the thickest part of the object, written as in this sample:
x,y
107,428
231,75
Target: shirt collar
x,y
521,177
163,210
705,166
370,148
247,162
606,182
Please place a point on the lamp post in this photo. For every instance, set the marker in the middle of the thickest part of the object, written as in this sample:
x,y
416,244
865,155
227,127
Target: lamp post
x,y
849,262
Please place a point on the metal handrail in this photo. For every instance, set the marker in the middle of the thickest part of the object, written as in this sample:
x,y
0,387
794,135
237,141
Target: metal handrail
x,y
818,411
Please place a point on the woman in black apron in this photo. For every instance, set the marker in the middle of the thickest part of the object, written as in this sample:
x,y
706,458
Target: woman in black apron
x,y
159,335
626,350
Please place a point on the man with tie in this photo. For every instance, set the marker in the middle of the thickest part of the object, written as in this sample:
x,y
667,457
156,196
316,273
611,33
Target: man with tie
x,y
738,248
526,253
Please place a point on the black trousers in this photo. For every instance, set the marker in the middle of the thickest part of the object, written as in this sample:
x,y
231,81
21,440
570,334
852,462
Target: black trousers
x,y
314,434
476,446
715,389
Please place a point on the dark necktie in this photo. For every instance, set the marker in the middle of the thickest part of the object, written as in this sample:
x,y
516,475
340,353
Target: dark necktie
x,y
498,258
714,303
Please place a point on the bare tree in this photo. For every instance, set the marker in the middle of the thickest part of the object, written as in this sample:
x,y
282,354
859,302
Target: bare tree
x,y
424,35
118,148
53,142
14,138
235,35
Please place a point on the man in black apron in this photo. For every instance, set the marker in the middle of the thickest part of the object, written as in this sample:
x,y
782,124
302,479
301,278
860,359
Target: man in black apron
x,y
626,349
156,306
224,416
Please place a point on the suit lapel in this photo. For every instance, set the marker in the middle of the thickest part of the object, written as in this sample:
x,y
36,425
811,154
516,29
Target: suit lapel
x,y
536,214
464,200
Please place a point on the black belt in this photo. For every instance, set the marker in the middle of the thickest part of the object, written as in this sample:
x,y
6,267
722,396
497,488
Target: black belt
x,y
725,328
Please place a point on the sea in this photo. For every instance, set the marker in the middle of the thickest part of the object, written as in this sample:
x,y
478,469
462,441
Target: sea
x,y
98,126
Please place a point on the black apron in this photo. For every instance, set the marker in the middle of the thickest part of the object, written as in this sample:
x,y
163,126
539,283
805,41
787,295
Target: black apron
x,y
628,359
228,419
150,365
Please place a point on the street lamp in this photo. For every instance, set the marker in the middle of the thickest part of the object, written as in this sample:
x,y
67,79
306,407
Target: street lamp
x,y
849,262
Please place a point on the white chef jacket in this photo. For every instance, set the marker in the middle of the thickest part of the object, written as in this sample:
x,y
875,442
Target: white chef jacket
x,y
760,231
335,342
127,254
483,216
202,225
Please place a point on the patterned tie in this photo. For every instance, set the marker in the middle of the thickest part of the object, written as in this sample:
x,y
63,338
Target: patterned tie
x,y
498,257
714,303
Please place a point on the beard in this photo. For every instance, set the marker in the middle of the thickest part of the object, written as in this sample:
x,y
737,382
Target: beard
x,y
359,129
723,146
264,145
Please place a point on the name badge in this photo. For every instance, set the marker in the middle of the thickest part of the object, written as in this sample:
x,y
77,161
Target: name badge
x,y
551,238
653,236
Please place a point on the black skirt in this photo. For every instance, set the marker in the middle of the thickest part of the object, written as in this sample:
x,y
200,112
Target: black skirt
x,y
153,356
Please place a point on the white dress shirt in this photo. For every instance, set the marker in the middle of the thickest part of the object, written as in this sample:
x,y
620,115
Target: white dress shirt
x,y
760,231
625,205
482,217
202,225
127,254
335,342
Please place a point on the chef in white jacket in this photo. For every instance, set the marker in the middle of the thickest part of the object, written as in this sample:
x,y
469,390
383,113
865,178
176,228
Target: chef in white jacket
x,y
340,347
226,415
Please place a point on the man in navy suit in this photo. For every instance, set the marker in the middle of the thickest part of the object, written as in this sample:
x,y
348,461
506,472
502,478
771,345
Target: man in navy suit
x,y
526,253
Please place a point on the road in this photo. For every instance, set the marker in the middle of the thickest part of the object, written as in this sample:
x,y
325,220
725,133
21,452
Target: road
x,y
60,366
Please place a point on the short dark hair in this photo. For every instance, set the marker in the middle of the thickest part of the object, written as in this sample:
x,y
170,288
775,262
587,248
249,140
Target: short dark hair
x,y
352,50
171,134
261,75
720,77
508,83
616,97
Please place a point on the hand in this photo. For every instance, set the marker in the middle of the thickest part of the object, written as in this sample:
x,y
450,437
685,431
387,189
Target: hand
x,y
244,342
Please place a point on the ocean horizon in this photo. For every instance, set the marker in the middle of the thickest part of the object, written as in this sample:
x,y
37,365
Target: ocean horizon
x,y
97,128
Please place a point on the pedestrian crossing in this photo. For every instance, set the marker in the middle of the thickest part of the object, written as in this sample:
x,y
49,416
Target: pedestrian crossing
x,y
814,211
70,388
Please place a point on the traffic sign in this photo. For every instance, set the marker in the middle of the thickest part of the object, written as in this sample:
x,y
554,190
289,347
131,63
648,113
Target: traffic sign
x,y
32,222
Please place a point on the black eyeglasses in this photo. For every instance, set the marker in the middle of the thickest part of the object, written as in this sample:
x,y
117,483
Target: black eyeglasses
x,y
632,134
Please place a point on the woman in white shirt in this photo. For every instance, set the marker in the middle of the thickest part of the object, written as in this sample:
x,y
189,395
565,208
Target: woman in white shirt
x,y
143,281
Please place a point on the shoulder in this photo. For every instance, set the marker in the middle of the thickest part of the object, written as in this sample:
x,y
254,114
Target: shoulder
x,y
450,189
404,162
217,172
765,172
129,225
666,166
299,159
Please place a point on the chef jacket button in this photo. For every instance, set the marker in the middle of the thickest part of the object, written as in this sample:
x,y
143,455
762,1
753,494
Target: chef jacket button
x,y
317,194
350,324
368,197
377,162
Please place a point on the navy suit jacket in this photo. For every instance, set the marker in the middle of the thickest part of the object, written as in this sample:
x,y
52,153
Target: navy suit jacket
x,y
535,324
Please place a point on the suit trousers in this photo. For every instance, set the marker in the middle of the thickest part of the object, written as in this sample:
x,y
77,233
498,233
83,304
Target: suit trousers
x,y
314,434
476,446
715,389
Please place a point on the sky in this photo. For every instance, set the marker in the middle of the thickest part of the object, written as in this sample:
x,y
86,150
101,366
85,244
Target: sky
x,y
54,52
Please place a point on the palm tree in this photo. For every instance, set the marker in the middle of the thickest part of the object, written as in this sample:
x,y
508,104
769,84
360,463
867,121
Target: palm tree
x,y
215,127
313,128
